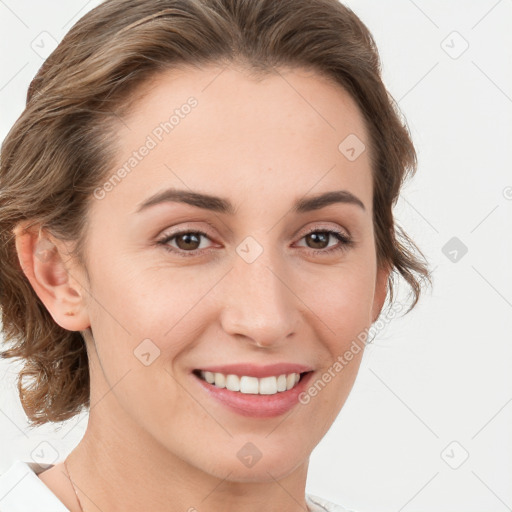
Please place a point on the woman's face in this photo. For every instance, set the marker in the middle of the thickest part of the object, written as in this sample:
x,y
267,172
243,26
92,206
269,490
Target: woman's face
x,y
257,294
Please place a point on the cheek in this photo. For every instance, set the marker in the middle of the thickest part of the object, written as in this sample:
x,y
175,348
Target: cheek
x,y
145,316
343,307
138,300
135,340
343,300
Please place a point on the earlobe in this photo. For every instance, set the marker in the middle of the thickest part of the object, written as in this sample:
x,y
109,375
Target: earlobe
x,y
43,260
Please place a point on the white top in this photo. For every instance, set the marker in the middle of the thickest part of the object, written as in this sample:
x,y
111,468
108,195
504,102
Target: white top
x,y
21,490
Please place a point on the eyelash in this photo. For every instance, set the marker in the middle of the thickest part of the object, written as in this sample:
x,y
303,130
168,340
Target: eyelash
x,y
346,242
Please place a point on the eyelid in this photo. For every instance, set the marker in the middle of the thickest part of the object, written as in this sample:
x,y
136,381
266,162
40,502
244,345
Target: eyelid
x,y
345,240
186,228
342,231
343,235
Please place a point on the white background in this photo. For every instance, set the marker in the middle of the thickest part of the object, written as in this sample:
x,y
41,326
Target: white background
x,y
442,374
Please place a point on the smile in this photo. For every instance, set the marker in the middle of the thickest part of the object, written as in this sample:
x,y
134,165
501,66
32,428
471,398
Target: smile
x,y
251,385
249,389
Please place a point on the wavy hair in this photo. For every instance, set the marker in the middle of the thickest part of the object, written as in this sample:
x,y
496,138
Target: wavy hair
x,y
60,148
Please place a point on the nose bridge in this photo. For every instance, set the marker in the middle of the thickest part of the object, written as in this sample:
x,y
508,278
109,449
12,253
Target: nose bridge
x,y
259,303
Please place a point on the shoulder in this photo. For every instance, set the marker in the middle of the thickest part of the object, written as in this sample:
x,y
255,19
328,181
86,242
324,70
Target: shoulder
x,y
317,504
21,490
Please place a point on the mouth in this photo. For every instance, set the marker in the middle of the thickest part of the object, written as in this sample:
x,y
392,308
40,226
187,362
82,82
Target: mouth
x,y
247,384
255,391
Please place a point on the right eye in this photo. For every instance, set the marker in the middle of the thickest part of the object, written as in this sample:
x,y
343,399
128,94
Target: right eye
x,y
188,242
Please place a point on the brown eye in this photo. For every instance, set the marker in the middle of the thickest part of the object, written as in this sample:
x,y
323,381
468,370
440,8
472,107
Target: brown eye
x,y
318,241
185,242
188,241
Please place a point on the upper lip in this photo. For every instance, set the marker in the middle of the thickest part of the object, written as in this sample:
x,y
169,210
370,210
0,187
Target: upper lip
x,y
254,370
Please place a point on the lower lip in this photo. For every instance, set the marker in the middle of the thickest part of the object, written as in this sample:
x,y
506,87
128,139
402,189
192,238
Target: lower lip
x,y
259,406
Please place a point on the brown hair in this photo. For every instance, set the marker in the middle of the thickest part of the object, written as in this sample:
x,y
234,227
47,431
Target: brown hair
x,y
60,148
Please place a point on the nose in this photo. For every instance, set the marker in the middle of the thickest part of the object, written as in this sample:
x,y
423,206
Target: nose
x,y
259,304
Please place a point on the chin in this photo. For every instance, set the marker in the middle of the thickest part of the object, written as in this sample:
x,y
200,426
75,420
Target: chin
x,y
264,470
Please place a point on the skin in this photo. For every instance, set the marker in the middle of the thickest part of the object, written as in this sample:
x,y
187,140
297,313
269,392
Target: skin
x,y
154,441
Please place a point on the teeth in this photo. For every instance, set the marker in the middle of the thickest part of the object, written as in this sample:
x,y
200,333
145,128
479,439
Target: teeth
x,y
281,383
268,386
209,377
247,384
232,382
220,380
252,385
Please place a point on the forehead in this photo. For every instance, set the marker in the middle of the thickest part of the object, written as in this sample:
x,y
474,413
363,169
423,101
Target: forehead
x,y
221,130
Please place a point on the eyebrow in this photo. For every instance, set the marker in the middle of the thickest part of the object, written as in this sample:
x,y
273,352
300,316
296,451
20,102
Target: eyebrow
x,y
223,205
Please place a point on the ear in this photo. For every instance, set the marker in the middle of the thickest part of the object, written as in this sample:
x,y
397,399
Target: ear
x,y
47,265
381,291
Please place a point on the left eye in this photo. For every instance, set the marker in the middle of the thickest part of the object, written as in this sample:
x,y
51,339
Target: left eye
x,y
321,236
190,241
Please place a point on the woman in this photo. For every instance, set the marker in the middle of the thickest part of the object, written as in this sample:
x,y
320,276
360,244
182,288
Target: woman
x,y
197,228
